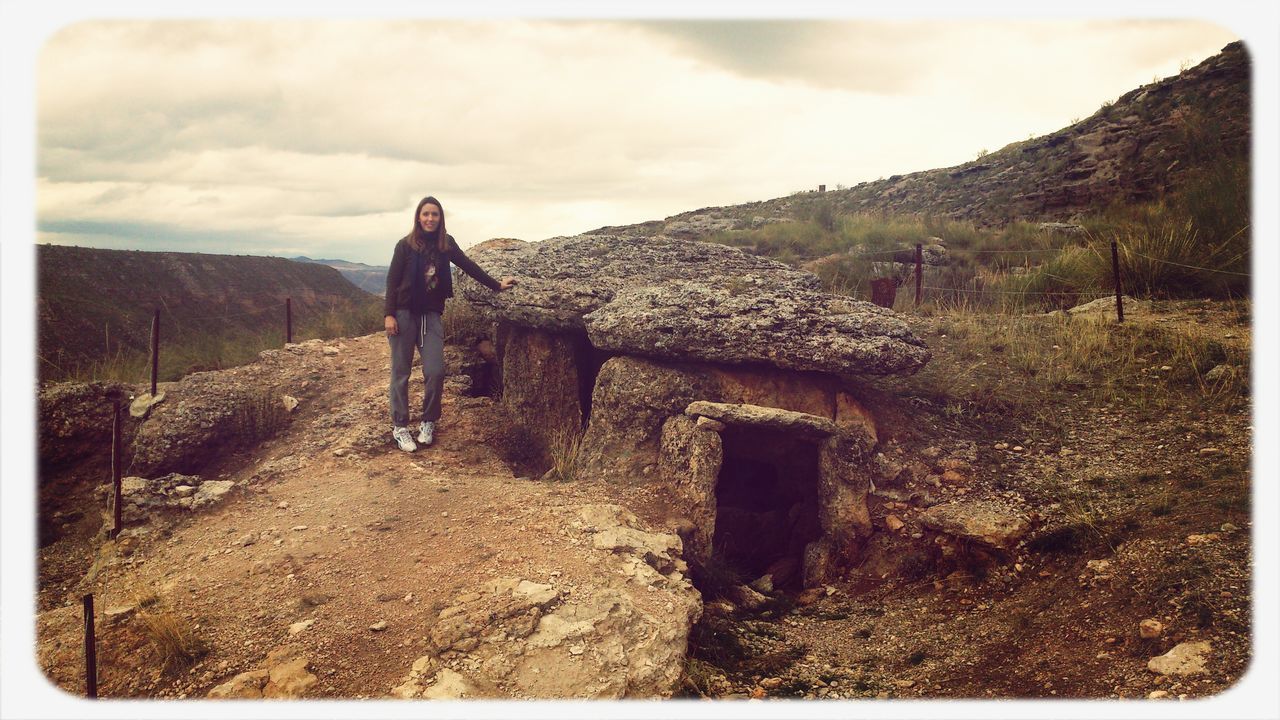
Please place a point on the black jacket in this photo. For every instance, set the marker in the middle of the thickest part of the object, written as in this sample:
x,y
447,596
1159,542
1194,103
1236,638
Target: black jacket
x,y
400,282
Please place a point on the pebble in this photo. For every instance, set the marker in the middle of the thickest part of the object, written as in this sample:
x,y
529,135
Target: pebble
x,y
284,505
299,528
1150,629
379,626
1210,451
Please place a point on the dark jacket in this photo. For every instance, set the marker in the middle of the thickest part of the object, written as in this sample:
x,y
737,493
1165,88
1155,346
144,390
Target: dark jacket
x,y
400,275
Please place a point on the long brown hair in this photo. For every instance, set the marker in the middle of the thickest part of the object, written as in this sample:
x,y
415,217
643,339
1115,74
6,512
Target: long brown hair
x,y
418,238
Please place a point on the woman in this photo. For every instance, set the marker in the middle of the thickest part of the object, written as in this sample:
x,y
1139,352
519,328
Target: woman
x,y
418,282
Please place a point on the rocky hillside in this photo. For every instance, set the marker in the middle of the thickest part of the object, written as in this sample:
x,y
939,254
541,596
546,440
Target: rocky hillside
x,y
1131,150
370,278
95,305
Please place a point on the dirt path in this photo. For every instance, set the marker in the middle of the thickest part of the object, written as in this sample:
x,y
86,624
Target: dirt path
x,y
332,523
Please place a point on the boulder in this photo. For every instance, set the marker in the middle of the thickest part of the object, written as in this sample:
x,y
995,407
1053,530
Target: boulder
x,y
75,424
680,300
540,380
208,414
993,526
563,279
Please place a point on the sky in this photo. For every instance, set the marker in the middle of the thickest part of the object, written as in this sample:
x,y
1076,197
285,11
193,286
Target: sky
x,y
318,136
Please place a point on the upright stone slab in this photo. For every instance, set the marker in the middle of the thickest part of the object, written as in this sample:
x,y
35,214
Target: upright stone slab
x,y
540,381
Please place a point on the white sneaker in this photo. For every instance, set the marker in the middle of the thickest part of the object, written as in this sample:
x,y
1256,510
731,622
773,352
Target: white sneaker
x,y
404,439
426,432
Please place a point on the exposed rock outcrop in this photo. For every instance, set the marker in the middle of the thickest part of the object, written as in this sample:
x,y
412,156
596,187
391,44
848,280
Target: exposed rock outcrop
x,y
624,635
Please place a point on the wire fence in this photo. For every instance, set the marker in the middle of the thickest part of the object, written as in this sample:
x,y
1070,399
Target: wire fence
x,y
326,312
914,256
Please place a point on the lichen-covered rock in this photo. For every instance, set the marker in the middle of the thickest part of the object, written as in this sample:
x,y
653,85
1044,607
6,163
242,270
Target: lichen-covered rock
x,y
680,300
75,422
794,329
206,414
563,279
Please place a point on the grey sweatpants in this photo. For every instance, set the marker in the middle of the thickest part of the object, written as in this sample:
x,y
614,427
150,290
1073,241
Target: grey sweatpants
x,y
429,339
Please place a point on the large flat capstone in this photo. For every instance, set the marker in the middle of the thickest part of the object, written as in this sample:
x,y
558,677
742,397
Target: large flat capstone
x,y
674,299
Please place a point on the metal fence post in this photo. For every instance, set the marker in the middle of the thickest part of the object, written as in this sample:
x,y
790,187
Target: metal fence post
x,y
90,650
1115,274
115,468
919,270
288,320
155,350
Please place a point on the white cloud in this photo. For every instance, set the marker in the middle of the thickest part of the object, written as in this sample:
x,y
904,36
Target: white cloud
x,y
289,133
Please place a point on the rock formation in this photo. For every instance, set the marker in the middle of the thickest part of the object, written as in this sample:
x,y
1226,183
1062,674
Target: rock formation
x,y
714,374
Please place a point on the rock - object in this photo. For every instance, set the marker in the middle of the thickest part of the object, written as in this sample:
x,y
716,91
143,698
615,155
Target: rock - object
x,y
680,300
624,635
564,279
795,330
210,413
1186,658
173,491
993,526
282,675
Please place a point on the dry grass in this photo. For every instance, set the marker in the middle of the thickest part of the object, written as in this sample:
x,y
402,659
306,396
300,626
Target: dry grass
x,y
994,355
174,639
565,448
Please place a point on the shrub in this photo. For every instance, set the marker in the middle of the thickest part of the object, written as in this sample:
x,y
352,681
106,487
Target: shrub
x,y
565,447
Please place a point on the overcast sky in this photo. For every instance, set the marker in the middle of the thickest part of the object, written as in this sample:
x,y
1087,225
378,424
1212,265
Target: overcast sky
x,y
318,137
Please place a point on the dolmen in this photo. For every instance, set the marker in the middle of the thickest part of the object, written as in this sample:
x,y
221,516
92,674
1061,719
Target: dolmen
x,y
724,382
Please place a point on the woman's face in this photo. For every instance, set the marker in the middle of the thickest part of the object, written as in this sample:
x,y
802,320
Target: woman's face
x,y
429,217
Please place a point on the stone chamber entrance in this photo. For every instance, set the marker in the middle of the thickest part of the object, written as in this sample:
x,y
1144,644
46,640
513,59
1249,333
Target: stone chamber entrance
x,y
766,500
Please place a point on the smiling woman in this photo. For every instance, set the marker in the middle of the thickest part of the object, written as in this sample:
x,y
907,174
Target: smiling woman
x,y
418,282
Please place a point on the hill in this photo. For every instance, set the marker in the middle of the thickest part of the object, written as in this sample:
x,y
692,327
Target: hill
x,y
96,306
370,278
1147,143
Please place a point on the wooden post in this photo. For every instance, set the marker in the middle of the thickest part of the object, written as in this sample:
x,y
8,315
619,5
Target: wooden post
x,y
1115,274
919,270
288,320
90,650
155,350
116,462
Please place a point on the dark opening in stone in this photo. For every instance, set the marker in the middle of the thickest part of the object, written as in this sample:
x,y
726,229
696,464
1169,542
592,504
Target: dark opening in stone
x,y
588,359
766,505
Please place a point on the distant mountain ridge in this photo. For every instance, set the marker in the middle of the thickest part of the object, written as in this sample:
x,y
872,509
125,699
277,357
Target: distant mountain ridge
x,y
370,278
94,303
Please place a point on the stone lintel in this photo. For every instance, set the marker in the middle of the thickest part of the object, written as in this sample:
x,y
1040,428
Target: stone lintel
x,y
759,416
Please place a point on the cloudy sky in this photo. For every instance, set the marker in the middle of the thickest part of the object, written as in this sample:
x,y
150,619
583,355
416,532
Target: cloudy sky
x,y
317,137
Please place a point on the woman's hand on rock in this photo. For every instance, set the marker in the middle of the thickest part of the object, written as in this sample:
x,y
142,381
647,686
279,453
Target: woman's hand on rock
x,y
506,283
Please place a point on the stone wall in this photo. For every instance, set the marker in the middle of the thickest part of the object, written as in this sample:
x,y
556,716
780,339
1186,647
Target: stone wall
x,y
634,397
